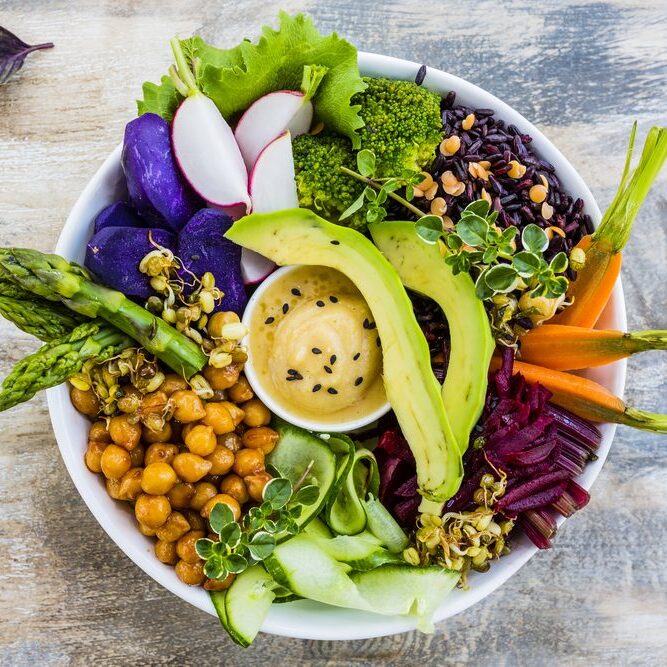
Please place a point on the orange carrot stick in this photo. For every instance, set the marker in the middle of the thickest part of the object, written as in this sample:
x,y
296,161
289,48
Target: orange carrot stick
x,y
592,288
586,398
565,348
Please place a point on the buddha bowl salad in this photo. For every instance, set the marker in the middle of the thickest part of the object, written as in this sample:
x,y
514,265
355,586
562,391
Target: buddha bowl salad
x,y
442,268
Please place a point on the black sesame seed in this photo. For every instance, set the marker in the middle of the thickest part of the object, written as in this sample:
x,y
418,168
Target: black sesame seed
x,y
421,74
358,381
319,304
333,299
317,387
296,291
331,390
377,341
372,326
285,308
328,370
356,356
292,371
269,320
290,378
366,324
316,350
334,242
332,359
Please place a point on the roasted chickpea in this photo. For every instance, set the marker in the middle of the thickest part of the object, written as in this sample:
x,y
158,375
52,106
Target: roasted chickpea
x,y
172,383
191,574
160,452
235,411
218,418
222,378
260,437
232,503
219,584
231,441
218,320
130,484
222,460
130,401
137,456
152,511
185,547
145,530
113,488
256,413
235,487
93,455
158,479
200,439
180,495
191,467
188,407
204,491
161,435
256,483
85,401
166,552
248,462
195,520
173,528
115,461
241,391
153,403
98,431
123,432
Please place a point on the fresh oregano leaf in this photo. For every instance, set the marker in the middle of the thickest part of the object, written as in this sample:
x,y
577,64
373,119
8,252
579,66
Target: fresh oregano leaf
x,y
262,545
277,492
307,495
479,207
221,515
230,535
559,263
204,548
214,569
429,228
534,239
526,263
501,278
236,563
473,230
353,207
366,162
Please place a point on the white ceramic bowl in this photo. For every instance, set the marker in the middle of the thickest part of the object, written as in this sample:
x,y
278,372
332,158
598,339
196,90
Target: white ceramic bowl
x,y
305,619
265,394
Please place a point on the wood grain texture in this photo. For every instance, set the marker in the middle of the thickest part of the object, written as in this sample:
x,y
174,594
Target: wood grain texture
x,y
580,69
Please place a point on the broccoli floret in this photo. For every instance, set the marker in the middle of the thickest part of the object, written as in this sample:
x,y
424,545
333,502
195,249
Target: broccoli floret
x,y
403,125
403,129
321,186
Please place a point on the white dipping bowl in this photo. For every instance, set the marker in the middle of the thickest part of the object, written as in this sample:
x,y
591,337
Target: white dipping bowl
x,y
266,393
306,619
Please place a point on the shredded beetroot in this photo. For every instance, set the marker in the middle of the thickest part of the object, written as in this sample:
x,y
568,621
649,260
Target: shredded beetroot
x,y
538,446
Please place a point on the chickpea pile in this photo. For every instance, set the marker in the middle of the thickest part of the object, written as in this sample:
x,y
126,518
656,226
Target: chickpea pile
x,y
206,452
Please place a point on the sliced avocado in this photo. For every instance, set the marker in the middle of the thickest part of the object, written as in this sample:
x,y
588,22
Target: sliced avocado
x,y
422,269
298,236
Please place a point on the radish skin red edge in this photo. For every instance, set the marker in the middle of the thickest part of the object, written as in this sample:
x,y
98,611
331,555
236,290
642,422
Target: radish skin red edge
x,y
204,144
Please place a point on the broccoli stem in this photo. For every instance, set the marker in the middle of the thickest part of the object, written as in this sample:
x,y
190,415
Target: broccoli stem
x,y
374,184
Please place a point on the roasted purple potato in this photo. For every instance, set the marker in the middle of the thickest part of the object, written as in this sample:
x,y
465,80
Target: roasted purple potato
x,y
156,186
117,215
114,253
202,247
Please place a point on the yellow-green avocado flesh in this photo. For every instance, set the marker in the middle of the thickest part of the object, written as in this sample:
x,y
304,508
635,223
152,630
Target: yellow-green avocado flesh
x,y
298,236
422,269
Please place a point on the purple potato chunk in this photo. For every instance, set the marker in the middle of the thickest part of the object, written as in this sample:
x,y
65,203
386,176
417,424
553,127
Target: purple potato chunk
x,y
114,253
118,214
203,247
156,186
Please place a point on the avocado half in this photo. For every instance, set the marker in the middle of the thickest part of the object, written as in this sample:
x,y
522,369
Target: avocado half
x,y
299,236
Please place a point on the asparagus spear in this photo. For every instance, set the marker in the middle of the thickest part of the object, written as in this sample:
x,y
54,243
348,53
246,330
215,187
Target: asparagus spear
x,y
40,318
58,360
56,279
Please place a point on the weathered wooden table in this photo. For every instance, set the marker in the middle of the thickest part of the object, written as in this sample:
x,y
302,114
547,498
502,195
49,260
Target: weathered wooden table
x,y
582,71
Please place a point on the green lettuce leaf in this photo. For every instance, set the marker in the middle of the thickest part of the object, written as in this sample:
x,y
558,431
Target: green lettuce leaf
x,y
235,78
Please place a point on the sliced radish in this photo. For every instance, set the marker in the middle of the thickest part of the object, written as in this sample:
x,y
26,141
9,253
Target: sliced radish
x,y
204,144
272,188
268,117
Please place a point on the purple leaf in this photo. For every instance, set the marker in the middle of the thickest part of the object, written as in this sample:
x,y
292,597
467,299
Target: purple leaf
x,y
13,52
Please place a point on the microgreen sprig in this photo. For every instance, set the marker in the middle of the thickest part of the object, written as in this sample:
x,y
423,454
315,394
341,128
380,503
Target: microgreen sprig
x,y
378,189
479,247
243,544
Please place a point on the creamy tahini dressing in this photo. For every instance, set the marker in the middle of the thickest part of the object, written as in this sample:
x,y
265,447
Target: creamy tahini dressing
x,y
314,342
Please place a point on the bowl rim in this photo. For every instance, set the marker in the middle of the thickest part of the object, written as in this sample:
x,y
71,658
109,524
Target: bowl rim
x,y
306,619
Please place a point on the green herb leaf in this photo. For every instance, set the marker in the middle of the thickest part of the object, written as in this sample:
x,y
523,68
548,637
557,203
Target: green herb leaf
x,y
236,563
526,263
473,230
429,228
480,208
230,535
204,548
366,162
353,207
215,569
262,545
534,239
221,516
559,263
501,278
482,290
307,495
277,492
